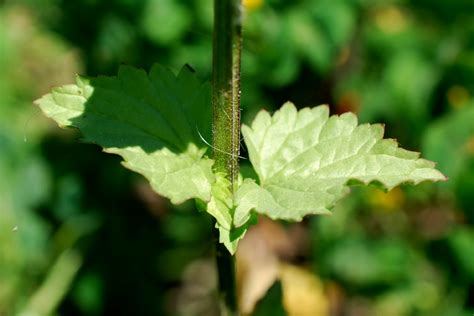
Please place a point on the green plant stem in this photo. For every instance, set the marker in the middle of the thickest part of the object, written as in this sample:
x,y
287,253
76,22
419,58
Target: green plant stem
x,y
227,43
226,279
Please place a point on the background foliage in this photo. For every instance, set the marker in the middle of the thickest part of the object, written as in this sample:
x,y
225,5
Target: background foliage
x,y
80,235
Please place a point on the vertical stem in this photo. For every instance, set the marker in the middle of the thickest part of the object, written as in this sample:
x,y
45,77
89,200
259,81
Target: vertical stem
x,y
226,279
227,43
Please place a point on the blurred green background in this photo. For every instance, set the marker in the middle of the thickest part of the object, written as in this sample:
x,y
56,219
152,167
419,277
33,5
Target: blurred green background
x,y
80,235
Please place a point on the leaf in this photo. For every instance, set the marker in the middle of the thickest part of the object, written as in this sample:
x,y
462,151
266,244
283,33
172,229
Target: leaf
x,y
222,207
221,202
460,242
303,292
304,160
173,14
152,120
272,303
230,238
447,140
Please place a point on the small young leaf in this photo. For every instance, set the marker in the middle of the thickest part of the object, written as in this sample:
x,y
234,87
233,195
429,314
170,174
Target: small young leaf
x,y
152,120
304,160
222,207
221,202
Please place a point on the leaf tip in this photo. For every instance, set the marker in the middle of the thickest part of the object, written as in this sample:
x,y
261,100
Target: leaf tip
x,y
288,104
323,106
39,100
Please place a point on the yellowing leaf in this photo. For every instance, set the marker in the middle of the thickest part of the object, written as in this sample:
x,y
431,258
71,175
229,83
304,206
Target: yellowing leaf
x,y
303,293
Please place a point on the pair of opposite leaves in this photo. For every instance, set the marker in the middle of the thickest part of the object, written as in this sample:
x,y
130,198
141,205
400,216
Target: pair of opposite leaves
x,y
303,159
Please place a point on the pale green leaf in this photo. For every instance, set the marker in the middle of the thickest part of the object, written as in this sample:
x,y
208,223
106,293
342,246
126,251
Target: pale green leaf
x,y
231,238
221,202
153,121
304,160
222,207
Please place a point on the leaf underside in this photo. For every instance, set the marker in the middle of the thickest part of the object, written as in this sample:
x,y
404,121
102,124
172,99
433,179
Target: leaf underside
x,y
305,159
